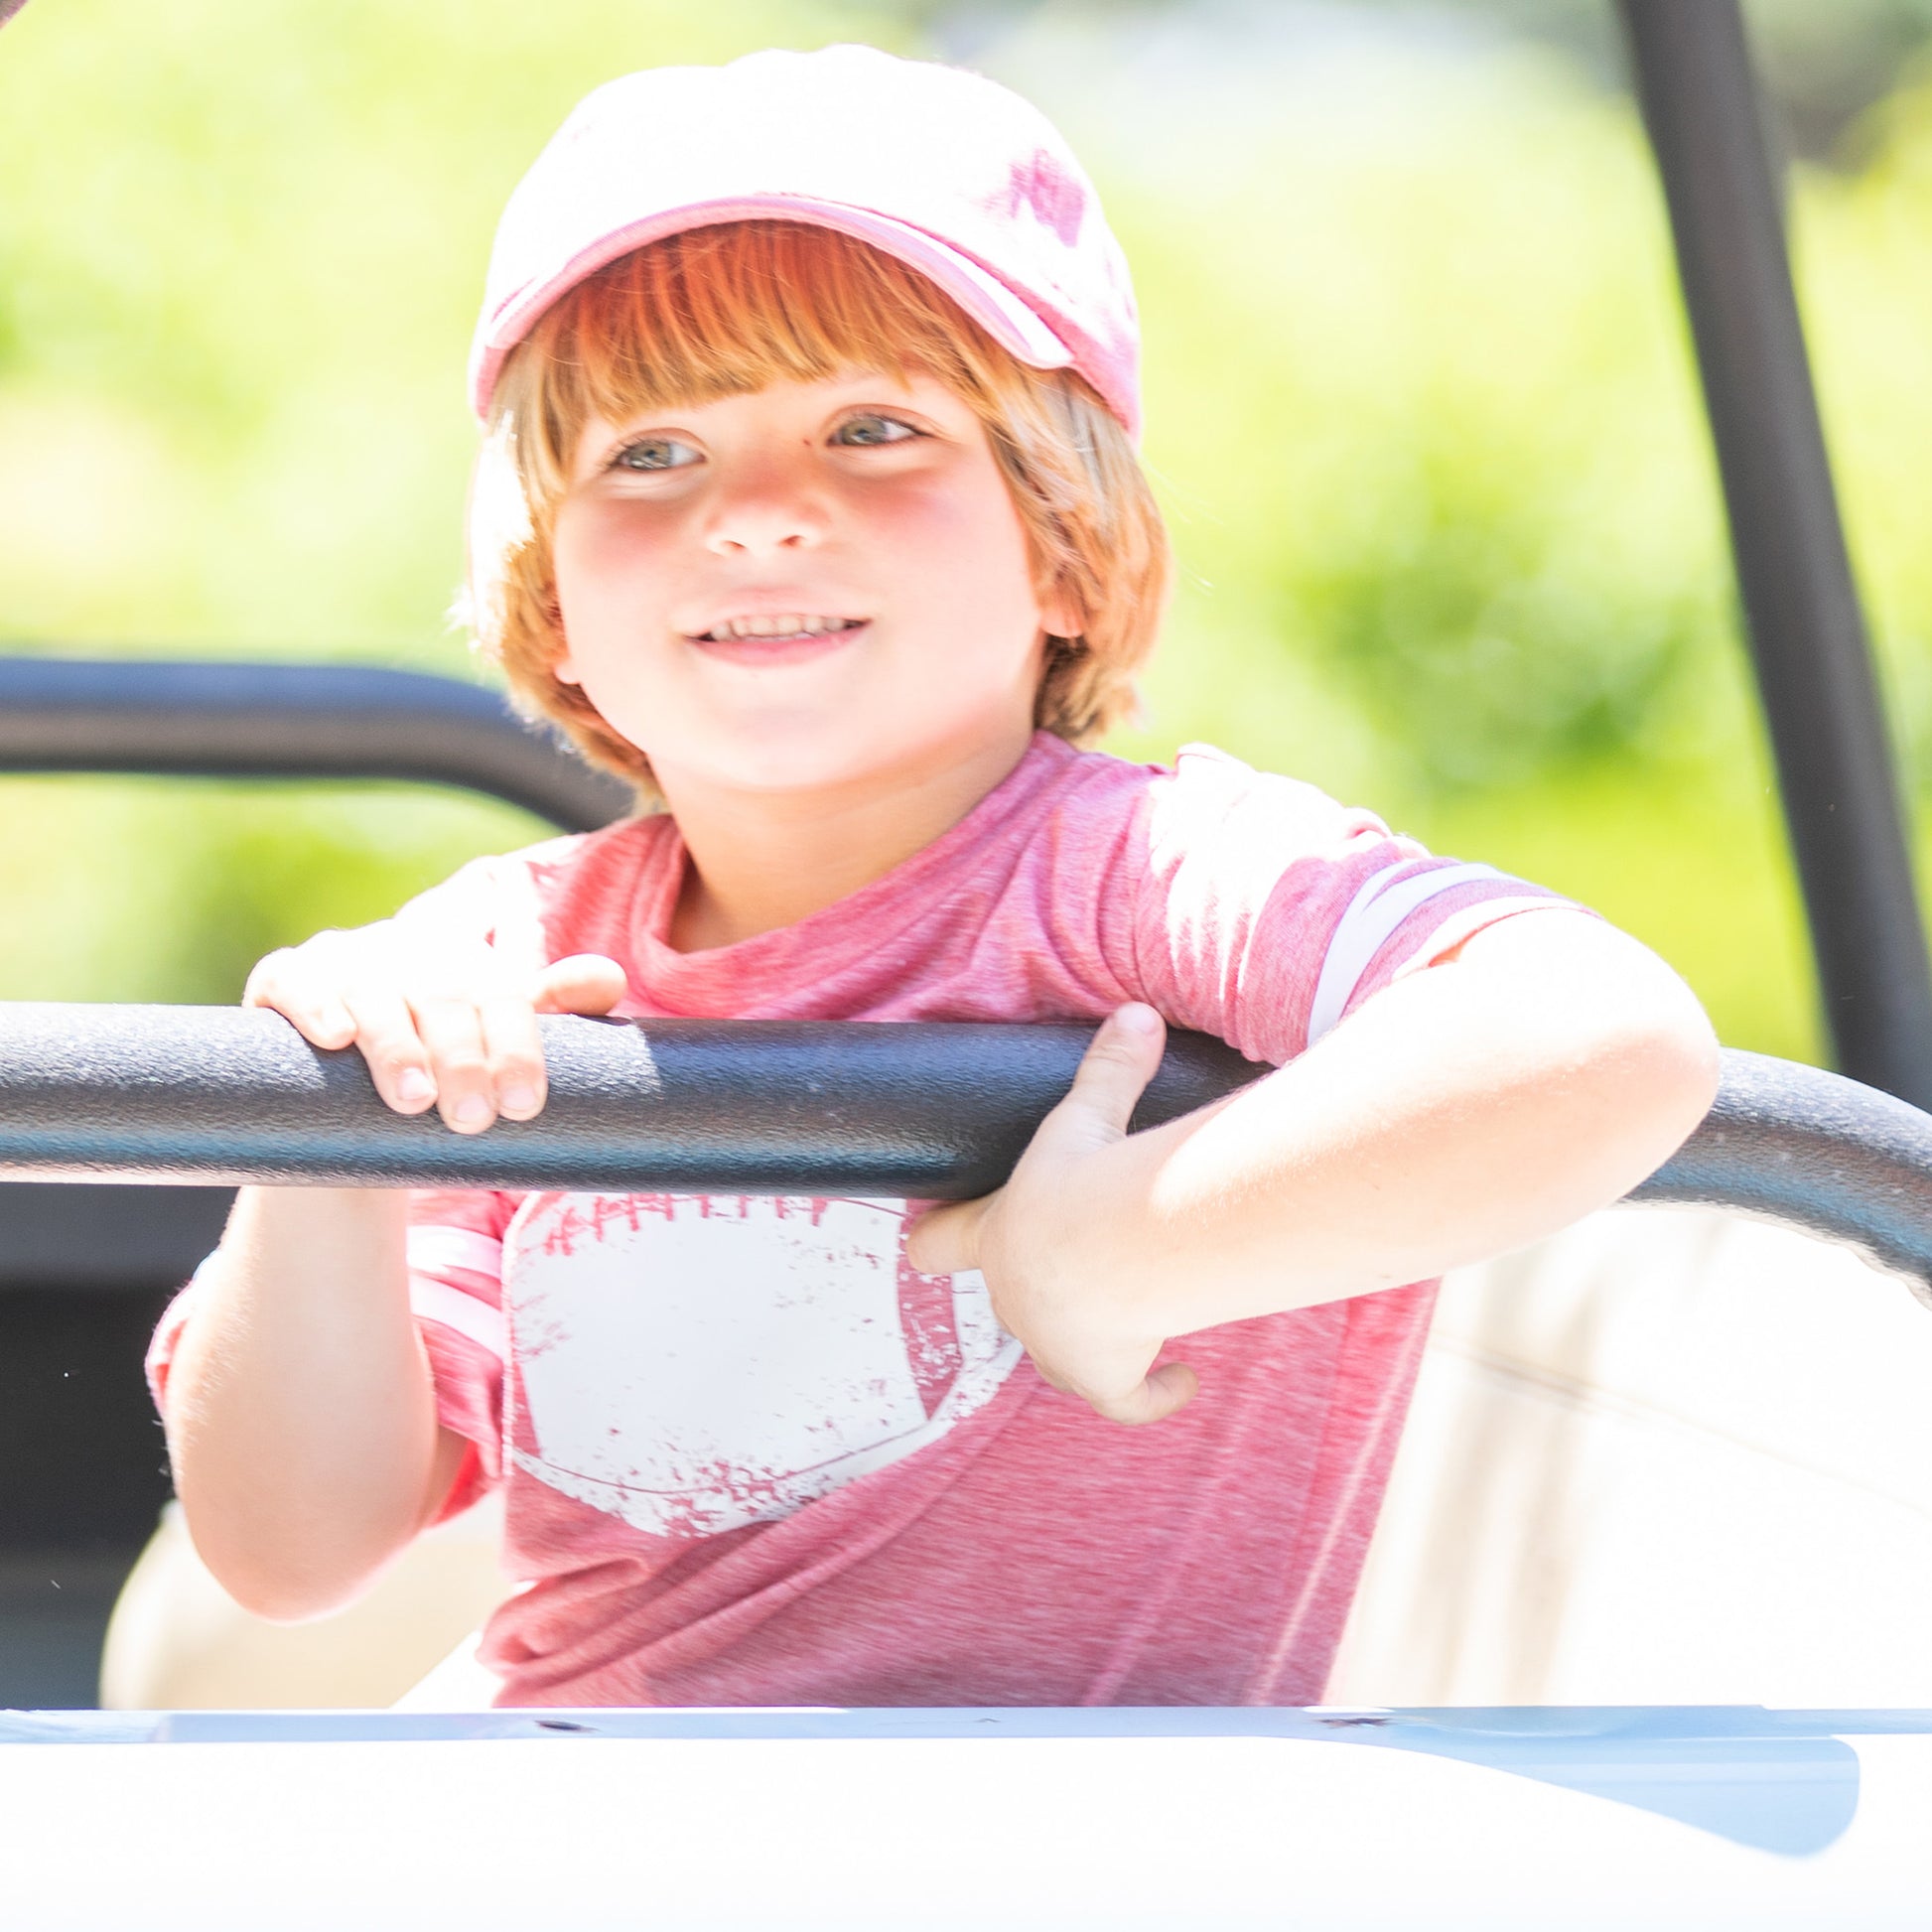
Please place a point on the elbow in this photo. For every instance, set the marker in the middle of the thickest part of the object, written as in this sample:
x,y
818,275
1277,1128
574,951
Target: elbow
x,y
1687,1066
276,1578
1659,1068
1625,1058
282,1598
283,1592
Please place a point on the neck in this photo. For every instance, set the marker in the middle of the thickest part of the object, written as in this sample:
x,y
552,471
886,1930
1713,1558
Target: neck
x,y
761,860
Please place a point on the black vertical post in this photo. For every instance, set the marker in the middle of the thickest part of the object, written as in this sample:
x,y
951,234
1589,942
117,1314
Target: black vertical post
x,y
1814,665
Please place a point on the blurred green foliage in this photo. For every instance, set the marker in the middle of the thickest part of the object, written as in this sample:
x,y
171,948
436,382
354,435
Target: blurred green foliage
x,y
1420,402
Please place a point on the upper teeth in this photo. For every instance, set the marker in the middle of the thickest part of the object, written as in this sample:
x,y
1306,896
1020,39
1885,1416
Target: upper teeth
x,y
789,625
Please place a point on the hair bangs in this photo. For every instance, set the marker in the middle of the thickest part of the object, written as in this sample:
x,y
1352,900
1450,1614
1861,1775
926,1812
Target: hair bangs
x,y
728,310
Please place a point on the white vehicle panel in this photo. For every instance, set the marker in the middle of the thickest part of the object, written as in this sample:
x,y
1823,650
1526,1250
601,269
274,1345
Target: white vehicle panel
x,y
967,1819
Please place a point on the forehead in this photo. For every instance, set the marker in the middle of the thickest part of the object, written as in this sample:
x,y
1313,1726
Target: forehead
x,y
792,398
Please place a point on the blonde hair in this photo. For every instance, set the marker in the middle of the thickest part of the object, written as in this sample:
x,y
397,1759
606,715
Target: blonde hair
x,y
727,309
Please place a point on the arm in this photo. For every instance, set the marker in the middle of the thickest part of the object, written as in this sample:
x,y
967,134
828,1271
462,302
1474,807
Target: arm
x,y
1536,1075
302,1419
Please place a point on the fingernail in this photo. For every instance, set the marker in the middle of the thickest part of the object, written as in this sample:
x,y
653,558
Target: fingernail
x,y
412,1084
520,1101
473,1111
1139,1018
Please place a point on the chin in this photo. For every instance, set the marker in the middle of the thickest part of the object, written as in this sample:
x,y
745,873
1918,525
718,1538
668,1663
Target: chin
x,y
818,752
813,775
784,763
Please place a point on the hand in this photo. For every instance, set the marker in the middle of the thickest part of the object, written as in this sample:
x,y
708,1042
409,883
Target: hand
x,y
442,1022
1041,1240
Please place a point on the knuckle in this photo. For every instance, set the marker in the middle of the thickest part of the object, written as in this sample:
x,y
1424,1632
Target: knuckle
x,y
330,950
385,1043
459,992
393,1056
268,974
464,1068
510,1018
1104,1070
437,999
927,1256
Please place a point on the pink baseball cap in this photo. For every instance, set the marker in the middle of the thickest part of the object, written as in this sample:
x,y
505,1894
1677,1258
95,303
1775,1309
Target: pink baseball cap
x,y
948,171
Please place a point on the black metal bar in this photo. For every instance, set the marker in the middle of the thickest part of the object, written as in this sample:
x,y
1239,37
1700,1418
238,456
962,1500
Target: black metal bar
x,y
291,720
1816,1152
927,1111
1814,665
228,1095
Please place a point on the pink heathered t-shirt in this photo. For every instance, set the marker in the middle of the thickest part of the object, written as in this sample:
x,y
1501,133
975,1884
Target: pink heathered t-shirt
x,y
750,1457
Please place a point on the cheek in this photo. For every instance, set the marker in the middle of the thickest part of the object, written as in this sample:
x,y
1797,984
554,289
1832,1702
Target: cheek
x,y
970,547
601,553
602,566
591,551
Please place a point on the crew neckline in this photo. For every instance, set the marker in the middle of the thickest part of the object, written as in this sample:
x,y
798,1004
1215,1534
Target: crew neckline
x,y
823,939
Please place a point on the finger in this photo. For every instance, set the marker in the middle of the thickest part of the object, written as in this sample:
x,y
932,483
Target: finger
x,y
1170,1387
385,1030
311,1006
513,1050
586,982
946,1240
1123,1057
452,1032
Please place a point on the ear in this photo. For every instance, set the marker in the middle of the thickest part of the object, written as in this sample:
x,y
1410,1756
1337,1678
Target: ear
x,y
1060,615
563,667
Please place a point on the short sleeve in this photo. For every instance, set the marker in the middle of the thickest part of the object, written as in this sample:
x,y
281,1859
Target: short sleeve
x,y
167,1338
456,1293
1265,911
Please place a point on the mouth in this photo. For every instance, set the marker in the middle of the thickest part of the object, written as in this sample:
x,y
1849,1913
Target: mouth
x,y
792,627
786,636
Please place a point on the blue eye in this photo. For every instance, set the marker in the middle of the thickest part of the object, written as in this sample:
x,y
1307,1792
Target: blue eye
x,y
869,431
650,453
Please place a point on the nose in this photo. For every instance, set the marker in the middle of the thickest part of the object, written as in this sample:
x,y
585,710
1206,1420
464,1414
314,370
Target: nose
x,y
763,508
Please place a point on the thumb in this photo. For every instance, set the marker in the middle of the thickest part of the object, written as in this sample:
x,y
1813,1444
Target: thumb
x,y
946,1240
1123,1057
586,982
1170,1387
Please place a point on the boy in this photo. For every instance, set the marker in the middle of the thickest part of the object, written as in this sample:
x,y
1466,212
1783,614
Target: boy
x,y
807,499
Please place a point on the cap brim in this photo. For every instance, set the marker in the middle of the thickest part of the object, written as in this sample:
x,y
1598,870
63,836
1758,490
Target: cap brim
x,y
1005,315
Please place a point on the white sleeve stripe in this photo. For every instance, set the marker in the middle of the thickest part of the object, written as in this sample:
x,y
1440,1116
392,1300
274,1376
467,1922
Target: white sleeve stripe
x,y
1464,924
1378,907
475,1320
431,1248
434,1301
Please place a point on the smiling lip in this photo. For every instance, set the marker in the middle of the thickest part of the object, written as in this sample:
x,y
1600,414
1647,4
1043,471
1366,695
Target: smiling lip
x,y
786,639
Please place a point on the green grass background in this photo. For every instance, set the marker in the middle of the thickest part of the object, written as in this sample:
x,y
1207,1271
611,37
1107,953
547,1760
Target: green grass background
x,y
1420,408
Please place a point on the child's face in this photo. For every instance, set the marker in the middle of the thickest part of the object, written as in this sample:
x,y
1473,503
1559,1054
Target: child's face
x,y
819,585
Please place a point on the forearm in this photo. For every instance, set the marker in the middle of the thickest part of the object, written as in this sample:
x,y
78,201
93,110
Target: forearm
x,y
1465,1111
301,1416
